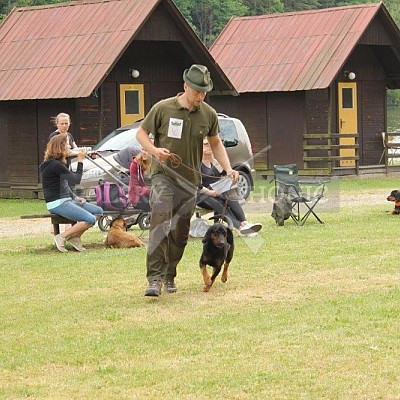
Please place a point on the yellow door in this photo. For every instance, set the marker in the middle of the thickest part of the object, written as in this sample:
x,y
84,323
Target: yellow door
x,y
347,118
131,103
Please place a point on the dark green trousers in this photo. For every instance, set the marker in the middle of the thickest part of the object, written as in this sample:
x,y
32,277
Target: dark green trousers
x,y
172,206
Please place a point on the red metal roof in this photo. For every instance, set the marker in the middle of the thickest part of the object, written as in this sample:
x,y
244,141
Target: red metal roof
x,y
65,50
290,51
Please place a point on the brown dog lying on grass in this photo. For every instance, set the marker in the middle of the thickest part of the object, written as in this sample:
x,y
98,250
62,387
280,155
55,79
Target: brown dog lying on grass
x,y
395,196
217,251
118,237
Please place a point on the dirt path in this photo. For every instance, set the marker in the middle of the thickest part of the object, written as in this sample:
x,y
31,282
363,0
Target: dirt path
x,y
14,227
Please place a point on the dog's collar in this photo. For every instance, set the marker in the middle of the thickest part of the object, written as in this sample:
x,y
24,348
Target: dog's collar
x,y
397,203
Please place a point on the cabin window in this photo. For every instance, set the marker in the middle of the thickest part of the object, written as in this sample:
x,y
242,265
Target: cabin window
x,y
132,102
347,98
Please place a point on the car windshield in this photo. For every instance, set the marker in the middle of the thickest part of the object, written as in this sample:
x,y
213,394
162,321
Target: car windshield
x,y
118,140
228,132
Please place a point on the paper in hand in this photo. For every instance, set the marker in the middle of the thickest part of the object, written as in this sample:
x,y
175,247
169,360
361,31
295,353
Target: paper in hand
x,y
223,185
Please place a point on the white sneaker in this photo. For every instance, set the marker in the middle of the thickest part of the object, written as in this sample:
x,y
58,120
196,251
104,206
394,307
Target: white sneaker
x,y
76,243
250,235
60,243
249,228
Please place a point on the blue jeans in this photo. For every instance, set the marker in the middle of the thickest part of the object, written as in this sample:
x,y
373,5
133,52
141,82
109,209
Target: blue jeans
x,y
78,212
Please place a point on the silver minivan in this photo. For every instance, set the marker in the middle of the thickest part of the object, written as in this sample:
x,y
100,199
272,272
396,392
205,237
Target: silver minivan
x,y
237,143
233,135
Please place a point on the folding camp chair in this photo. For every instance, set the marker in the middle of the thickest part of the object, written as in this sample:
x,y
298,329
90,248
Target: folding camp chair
x,y
390,145
287,184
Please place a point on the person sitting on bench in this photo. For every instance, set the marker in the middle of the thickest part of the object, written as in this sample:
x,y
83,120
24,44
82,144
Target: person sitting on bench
x,y
211,200
57,180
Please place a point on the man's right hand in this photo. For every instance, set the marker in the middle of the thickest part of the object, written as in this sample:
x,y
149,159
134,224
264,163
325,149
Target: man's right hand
x,y
161,154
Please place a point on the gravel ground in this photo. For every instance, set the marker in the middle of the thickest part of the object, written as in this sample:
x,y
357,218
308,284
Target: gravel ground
x,y
13,227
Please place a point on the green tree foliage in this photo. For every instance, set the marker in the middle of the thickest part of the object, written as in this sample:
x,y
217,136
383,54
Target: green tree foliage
x,y
210,16
297,5
261,7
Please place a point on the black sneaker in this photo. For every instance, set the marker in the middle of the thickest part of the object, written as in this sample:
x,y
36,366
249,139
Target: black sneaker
x,y
170,287
154,289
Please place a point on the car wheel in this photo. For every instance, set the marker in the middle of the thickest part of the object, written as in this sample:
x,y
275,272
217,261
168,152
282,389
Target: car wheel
x,y
244,184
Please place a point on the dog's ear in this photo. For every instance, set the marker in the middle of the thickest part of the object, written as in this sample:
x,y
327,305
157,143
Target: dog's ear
x,y
397,195
229,235
207,236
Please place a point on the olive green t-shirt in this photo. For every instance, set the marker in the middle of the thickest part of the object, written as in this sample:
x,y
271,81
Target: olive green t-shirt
x,y
181,132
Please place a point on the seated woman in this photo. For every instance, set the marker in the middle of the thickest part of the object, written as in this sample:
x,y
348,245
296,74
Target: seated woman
x,y
57,180
138,192
212,200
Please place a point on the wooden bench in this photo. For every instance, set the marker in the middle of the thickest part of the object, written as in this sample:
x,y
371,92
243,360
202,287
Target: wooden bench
x,y
56,220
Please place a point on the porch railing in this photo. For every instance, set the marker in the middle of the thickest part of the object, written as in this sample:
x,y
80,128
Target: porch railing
x,y
325,149
391,149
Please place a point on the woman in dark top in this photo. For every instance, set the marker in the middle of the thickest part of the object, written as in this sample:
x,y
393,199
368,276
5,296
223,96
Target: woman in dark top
x,y
57,180
212,200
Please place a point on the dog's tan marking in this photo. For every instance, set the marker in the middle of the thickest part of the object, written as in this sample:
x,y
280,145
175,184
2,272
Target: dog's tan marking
x,y
224,276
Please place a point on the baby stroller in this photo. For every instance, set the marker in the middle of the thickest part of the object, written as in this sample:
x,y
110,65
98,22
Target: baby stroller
x,y
112,198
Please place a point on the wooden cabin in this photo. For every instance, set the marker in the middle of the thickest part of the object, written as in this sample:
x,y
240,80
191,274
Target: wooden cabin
x,y
103,62
312,85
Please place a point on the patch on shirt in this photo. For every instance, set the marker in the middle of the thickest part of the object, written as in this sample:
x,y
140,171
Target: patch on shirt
x,y
175,128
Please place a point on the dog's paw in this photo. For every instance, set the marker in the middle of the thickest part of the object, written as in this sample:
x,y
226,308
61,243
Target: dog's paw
x,y
206,288
224,279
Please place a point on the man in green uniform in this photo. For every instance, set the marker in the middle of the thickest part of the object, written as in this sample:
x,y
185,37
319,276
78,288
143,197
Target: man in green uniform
x,y
179,125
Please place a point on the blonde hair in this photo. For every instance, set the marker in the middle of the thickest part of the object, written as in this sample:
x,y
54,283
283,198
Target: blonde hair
x,y
144,160
57,147
54,120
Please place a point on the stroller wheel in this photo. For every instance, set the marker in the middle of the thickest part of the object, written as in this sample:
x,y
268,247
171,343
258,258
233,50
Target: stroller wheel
x,y
104,222
144,221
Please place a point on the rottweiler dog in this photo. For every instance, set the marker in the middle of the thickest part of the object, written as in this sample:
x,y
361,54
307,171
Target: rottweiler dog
x,y
395,196
218,249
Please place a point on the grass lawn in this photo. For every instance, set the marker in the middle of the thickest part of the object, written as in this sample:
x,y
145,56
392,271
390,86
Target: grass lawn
x,y
307,313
